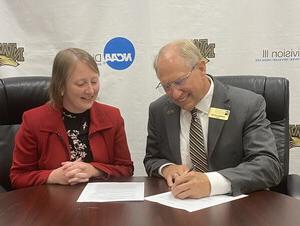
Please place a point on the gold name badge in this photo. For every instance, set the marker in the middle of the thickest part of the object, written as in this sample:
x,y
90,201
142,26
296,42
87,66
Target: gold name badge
x,y
218,113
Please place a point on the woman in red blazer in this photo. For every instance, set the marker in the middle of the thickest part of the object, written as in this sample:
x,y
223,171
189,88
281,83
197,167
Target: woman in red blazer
x,y
72,138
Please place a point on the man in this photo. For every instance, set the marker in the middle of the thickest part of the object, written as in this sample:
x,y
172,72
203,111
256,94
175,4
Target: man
x,y
240,154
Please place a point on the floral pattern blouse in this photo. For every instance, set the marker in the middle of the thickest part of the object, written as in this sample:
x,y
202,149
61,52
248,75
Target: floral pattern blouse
x,y
77,127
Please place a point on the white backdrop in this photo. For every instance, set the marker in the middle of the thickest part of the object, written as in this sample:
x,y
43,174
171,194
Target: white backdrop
x,y
258,37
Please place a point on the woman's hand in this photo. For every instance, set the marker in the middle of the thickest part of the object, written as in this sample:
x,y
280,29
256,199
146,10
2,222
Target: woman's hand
x,y
79,172
57,176
73,173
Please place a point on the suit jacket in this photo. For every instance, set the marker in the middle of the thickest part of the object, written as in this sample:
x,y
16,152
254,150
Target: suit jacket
x,y
242,148
41,144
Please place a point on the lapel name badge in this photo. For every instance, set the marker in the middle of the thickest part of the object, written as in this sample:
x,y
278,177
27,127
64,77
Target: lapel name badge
x,y
218,113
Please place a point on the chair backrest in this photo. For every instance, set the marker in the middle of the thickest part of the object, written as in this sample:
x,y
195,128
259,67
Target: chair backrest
x,y
275,90
17,94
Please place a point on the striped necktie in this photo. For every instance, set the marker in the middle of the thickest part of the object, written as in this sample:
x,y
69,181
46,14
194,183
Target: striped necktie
x,y
197,149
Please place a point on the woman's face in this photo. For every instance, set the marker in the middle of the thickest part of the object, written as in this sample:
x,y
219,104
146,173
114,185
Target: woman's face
x,y
81,88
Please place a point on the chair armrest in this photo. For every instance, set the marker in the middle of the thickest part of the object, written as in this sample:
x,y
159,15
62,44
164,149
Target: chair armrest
x,y
2,189
293,185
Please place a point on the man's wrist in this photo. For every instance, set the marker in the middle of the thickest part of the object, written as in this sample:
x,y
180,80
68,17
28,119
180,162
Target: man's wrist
x,y
219,184
162,166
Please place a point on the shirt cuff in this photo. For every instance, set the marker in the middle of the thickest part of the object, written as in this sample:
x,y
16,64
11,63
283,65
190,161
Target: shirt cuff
x,y
162,166
218,183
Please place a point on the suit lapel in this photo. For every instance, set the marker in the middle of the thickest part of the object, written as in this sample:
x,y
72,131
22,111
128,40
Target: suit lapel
x,y
172,119
215,126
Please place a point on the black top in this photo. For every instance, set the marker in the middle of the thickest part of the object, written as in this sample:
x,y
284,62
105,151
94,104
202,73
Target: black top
x,y
77,127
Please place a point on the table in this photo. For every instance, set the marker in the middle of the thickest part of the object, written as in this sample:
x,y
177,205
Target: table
x,y
56,205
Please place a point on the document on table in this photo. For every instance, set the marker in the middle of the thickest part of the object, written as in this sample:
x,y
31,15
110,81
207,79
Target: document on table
x,y
112,191
191,205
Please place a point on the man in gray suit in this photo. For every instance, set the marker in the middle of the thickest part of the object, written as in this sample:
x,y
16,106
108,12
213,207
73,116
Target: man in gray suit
x,y
239,144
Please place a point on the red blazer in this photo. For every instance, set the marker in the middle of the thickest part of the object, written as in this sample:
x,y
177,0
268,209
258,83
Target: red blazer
x,y
41,144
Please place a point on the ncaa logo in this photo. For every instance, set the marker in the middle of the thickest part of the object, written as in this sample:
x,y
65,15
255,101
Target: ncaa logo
x,y
119,53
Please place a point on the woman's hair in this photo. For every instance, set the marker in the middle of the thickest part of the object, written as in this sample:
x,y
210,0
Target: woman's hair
x,y
186,49
63,65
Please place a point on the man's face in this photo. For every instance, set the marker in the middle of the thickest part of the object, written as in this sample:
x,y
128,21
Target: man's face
x,y
185,85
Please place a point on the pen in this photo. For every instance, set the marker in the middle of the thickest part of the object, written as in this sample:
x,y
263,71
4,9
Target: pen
x,y
192,168
186,172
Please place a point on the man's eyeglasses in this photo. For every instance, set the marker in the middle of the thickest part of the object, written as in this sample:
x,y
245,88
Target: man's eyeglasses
x,y
166,88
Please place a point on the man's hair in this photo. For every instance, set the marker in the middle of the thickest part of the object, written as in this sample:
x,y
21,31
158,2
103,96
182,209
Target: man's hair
x,y
63,65
186,49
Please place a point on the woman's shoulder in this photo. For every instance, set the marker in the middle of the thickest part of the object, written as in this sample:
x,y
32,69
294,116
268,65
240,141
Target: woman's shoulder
x,y
103,112
106,108
40,111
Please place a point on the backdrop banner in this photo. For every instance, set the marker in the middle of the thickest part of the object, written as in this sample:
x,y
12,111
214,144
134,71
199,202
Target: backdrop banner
x,y
237,37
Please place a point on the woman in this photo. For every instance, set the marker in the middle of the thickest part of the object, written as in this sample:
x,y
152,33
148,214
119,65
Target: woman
x,y
72,138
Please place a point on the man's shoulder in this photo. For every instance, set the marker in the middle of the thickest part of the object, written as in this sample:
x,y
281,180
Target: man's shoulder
x,y
237,94
242,99
241,93
159,102
234,91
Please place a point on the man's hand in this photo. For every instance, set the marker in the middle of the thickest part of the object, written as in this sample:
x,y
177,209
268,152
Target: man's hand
x,y
191,185
170,172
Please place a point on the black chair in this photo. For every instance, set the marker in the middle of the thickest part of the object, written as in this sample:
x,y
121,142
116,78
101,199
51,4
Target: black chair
x,y
275,90
17,94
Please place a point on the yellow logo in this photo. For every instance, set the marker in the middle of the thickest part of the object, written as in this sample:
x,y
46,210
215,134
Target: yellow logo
x,y
294,136
10,54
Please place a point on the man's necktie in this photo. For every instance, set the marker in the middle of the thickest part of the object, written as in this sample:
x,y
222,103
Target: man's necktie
x,y
197,149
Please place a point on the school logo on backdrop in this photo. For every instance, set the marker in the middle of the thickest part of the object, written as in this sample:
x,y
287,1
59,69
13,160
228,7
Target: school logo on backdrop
x,y
10,54
294,135
207,49
118,53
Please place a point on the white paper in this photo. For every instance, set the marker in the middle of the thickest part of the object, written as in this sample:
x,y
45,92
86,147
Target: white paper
x,y
191,205
112,191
